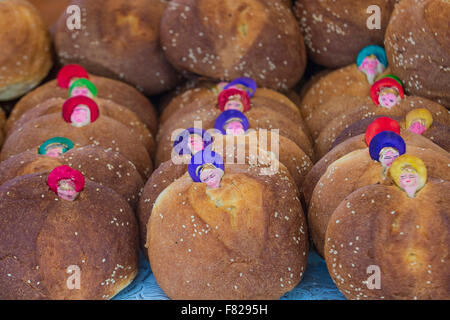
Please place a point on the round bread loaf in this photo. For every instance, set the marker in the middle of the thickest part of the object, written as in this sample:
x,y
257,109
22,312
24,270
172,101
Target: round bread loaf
x,y
45,239
262,117
105,167
404,241
354,171
347,81
109,89
438,133
50,9
295,160
235,38
246,239
118,39
104,132
363,108
352,144
418,48
25,58
335,31
106,108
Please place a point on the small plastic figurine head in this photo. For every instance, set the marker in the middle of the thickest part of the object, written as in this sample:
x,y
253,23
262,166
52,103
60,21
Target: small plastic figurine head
x,y
385,147
66,182
379,125
419,120
191,141
372,61
207,167
232,122
83,87
69,74
409,173
245,84
234,99
80,111
55,147
387,92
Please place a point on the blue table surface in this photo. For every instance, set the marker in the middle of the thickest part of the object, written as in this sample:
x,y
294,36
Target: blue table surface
x,y
315,285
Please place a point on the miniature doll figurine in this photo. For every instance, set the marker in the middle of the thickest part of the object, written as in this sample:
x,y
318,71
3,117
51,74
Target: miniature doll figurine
x,y
55,147
207,167
385,147
83,87
419,120
232,122
372,61
69,74
191,141
409,173
387,92
80,111
66,182
234,99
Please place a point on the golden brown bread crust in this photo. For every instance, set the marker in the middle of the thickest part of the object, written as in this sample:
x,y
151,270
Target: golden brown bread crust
x,y
349,145
105,167
417,47
41,237
25,57
406,238
50,10
354,171
363,108
109,89
119,39
197,252
335,31
106,108
438,133
235,38
104,132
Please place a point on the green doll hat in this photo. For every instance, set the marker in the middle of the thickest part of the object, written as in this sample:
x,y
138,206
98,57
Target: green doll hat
x,y
60,140
83,83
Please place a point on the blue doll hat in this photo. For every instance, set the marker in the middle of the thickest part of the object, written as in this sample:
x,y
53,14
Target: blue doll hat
x,y
56,140
386,139
248,83
228,115
202,158
378,51
181,142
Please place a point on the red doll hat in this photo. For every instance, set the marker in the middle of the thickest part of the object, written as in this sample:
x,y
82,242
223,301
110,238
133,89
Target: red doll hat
x,y
226,94
385,83
70,71
379,125
73,102
65,173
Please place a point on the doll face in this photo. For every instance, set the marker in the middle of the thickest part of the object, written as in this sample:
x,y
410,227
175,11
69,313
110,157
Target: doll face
x,y
387,156
81,116
211,177
81,91
388,99
408,179
196,143
418,126
234,104
66,190
370,65
234,128
55,150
